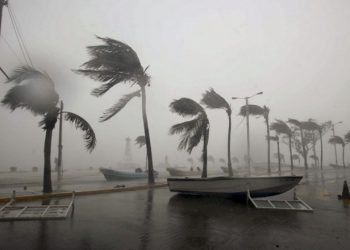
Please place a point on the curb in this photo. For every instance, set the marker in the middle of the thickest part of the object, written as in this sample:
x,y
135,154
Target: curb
x,y
80,193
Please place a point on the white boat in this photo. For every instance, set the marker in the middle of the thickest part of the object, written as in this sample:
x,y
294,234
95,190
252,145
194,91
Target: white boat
x,y
234,186
180,172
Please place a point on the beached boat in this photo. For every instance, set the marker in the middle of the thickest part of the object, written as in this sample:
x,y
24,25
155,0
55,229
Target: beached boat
x,y
180,172
114,175
234,186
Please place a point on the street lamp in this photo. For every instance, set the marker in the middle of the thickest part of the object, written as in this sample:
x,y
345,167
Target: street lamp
x,y
247,119
335,146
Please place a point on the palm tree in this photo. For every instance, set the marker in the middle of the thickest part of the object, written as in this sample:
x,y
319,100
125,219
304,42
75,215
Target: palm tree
x,y
256,110
315,158
222,160
213,100
280,127
193,131
338,140
299,126
112,63
35,91
141,141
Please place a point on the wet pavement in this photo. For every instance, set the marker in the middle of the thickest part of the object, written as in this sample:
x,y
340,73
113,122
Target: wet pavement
x,y
158,219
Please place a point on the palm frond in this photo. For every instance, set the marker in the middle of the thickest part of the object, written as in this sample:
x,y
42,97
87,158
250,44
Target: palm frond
x,y
25,73
311,125
314,157
280,127
222,160
50,119
235,159
113,62
295,157
109,113
253,110
213,100
186,107
82,124
211,158
336,140
192,133
35,91
294,122
140,140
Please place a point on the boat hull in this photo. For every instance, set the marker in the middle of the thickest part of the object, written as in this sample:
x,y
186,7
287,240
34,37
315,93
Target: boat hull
x,y
114,175
234,186
178,172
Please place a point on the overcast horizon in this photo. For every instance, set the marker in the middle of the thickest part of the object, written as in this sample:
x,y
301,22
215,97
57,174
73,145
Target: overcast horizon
x,y
296,52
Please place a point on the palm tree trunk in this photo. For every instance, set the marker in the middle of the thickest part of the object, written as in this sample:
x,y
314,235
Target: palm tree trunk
x,y
268,145
47,162
321,156
205,152
279,156
314,151
147,138
291,154
304,149
229,164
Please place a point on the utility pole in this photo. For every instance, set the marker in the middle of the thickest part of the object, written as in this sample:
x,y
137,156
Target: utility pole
x,y
2,4
247,119
60,147
248,138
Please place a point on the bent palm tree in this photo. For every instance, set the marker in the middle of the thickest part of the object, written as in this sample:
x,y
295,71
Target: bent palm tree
x,y
35,91
299,126
115,62
280,127
338,140
193,131
141,141
213,100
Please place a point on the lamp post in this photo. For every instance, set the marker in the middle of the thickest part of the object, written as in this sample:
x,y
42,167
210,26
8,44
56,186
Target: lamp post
x,y
335,146
247,119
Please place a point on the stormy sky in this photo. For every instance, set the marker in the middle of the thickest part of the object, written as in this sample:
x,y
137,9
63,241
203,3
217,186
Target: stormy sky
x,y
296,51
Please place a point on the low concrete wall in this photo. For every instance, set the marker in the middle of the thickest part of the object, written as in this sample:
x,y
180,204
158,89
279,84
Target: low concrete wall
x,y
77,193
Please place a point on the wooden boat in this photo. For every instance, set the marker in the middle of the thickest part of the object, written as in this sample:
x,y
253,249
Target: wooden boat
x,y
234,186
179,172
114,175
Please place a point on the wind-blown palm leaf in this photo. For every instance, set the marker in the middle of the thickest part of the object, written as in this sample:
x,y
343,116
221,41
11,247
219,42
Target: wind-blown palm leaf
x,y
253,110
36,94
192,133
295,122
336,140
347,137
213,100
50,119
80,123
235,160
109,113
140,140
186,107
311,125
25,73
113,62
280,127
222,160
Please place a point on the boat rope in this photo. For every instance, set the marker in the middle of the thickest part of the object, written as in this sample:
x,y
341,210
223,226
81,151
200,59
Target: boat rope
x,y
11,49
19,36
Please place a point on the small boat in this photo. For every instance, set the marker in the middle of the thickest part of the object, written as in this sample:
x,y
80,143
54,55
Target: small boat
x,y
179,172
234,186
114,175
336,166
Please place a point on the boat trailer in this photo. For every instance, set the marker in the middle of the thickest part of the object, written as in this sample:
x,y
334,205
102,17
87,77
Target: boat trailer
x,y
10,212
296,204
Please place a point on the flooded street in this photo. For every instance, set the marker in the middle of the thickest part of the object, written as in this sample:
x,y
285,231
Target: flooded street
x,y
158,219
